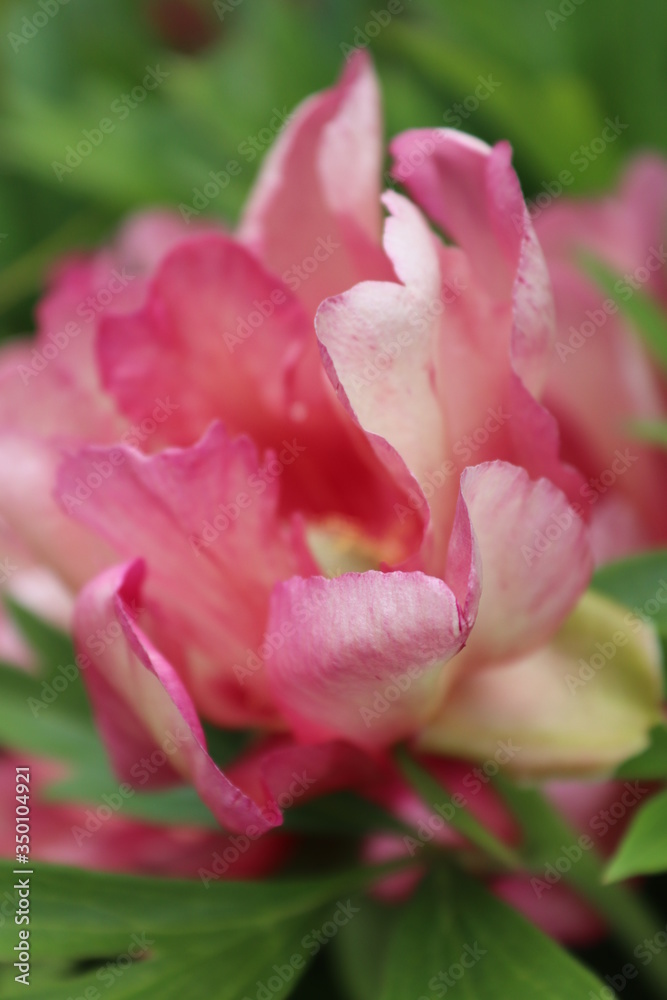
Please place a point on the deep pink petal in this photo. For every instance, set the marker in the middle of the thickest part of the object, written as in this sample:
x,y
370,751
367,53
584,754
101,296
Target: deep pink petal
x,y
219,337
556,909
204,519
142,706
86,836
291,773
187,344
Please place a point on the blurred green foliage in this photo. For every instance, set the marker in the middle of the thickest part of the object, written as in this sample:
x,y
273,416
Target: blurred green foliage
x,y
559,69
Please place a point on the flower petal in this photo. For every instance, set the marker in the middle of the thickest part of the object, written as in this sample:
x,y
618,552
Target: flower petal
x,y
380,338
42,412
472,192
186,344
317,196
535,560
364,654
142,705
579,706
204,519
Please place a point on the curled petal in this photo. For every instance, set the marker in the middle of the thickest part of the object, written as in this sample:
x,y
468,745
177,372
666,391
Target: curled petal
x,y
142,706
535,560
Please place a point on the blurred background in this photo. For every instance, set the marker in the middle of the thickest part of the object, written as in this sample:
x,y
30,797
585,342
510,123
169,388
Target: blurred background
x,y
220,76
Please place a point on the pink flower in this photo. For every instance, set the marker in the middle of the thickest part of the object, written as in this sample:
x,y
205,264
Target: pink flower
x,y
601,376
300,531
97,838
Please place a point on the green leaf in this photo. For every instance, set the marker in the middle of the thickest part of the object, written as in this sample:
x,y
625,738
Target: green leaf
x,y
653,431
220,941
361,949
454,933
78,913
651,764
547,117
51,645
640,583
206,968
640,309
179,806
643,850
53,730
549,840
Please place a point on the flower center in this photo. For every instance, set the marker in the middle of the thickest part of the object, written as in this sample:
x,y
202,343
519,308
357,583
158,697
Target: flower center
x,y
340,547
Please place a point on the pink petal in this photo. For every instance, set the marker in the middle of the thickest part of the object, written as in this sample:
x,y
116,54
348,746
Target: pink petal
x,y
431,369
535,560
602,377
204,519
472,192
40,414
314,216
221,338
577,706
51,396
187,344
364,654
85,836
291,773
557,910
383,358
142,705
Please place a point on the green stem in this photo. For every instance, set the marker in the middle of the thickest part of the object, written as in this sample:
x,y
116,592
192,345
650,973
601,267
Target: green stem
x,y
432,792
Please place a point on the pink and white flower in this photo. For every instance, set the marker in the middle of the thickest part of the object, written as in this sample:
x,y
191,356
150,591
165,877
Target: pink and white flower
x,y
300,478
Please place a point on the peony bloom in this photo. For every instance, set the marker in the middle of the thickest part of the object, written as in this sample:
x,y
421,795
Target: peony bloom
x,y
300,478
601,377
